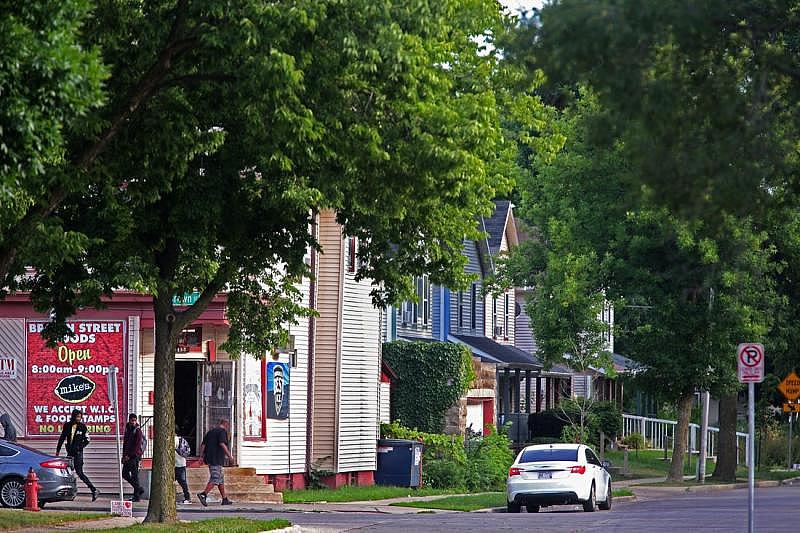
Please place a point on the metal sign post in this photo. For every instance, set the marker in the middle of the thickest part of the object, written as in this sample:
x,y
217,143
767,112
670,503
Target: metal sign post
x,y
114,401
750,359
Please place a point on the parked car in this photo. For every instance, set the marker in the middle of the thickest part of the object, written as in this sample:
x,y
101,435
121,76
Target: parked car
x,y
557,474
56,477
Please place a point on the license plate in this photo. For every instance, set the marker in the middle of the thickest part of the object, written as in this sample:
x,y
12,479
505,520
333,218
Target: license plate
x,y
545,475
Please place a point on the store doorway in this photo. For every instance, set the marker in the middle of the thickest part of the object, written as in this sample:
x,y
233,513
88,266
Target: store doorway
x,y
186,393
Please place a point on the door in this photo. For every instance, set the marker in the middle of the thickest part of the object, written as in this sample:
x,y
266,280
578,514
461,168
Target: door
x,y
218,397
187,378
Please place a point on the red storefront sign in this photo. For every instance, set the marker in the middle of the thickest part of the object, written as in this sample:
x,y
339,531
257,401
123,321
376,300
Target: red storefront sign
x,y
73,375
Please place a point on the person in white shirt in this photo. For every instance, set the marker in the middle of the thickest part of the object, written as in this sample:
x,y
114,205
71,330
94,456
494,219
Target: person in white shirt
x,y
180,472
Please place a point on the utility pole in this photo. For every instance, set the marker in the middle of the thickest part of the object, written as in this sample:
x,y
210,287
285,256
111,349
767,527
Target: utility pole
x,y
701,459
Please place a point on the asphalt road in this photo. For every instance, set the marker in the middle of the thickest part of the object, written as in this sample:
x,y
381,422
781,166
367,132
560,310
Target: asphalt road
x,y
777,509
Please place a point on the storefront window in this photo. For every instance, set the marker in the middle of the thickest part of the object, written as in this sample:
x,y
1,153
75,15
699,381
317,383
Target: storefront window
x,y
255,378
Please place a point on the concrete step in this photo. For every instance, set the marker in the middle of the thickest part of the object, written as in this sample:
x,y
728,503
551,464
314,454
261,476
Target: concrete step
x,y
242,497
242,484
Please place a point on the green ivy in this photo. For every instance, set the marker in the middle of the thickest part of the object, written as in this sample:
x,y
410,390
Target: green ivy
x,y
443,458
431,377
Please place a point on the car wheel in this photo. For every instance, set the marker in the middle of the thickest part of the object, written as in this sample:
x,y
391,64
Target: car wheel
x,y
12,492
606,505
591,503
531,508
513,507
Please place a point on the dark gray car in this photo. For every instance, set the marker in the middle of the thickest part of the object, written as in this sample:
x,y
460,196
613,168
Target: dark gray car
x,y
56,477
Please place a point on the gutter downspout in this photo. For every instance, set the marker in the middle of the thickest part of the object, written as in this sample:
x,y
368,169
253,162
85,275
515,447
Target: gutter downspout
x,y
312,329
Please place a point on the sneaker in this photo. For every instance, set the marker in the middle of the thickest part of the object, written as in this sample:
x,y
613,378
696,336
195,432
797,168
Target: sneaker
x,y
226,501
202,497
94,494
186,502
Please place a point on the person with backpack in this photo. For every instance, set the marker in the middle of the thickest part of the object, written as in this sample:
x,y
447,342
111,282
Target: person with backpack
x,y
76,437
182,451
132,451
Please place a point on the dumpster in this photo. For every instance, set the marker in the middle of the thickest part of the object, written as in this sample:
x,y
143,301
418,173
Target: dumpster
x,y
399,463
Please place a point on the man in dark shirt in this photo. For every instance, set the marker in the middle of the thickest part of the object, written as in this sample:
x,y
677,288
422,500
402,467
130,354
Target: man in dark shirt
x,y
214,450
132,451
76,437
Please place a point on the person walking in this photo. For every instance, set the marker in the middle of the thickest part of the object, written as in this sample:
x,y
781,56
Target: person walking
x,y
75,435
181,453
213,452
9,431
132,451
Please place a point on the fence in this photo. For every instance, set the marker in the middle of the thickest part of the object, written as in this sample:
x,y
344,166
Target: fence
x,y
659,434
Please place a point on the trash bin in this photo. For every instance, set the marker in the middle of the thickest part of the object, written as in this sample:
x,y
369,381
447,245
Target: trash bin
x,y
399,463
145,478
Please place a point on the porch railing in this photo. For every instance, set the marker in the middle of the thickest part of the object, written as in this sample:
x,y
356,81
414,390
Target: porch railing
x,y
660,434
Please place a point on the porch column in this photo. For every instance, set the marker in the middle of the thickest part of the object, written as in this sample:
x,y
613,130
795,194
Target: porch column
x,y
539,394
506,398
548,385
528,391
516,388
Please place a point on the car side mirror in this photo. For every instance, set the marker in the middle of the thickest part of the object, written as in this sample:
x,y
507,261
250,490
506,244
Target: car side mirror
x,y
606,464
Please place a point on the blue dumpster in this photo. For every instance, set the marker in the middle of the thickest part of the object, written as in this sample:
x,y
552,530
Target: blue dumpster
x,y
399,463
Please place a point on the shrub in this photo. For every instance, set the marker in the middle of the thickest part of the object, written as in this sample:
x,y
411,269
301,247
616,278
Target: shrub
x,y
634,440
443,457
609,418
572,433
431,377
488,460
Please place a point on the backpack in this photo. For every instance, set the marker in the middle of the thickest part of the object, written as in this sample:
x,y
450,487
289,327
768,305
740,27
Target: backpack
x,y
144,443
183,448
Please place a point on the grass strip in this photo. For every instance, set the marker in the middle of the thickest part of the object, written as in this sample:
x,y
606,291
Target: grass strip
x,y
214,525
358,494
14,518
621,492
470,502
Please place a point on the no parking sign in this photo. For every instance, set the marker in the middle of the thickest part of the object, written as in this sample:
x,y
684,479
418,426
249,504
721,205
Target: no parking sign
x,y
750,357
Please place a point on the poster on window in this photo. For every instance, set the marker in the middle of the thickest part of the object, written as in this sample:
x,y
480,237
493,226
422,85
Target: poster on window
x,y
72,375
254,427
277,390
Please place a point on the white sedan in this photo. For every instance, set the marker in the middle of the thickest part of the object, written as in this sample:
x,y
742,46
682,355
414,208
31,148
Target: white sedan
x,y
557,474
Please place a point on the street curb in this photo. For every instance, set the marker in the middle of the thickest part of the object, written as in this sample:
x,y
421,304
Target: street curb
x,y
717,487
617,499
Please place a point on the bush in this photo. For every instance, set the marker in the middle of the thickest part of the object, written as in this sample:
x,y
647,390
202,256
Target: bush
x,y
572,433
431,377
634,440
609,418
488,460
483,466
443,457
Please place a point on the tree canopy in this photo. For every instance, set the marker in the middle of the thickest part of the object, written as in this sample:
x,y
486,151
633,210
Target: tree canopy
x,y
224,127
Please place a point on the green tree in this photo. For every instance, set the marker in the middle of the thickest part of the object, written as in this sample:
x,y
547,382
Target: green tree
x,y
49,86
227,126
701,99
683,300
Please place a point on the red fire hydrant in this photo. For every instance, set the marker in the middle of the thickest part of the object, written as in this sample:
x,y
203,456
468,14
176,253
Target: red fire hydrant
x,y
31,491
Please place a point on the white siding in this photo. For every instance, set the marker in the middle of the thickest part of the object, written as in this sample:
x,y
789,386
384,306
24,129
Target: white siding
x,y
12,392
385,402
359,375
285,447
523,335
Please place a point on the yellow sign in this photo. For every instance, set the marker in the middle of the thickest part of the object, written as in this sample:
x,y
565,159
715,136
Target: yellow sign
x,y
791,408
790,387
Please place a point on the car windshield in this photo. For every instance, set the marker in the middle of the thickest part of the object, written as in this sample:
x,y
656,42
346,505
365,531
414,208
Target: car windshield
x,y
549,454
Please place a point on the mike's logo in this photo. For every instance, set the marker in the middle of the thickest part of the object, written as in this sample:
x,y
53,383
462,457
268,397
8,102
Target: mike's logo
x,y
75,389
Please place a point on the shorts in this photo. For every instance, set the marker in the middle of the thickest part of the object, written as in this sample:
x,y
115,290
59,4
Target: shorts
x,y
215,475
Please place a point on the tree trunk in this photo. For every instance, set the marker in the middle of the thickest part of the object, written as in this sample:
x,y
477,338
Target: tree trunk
x,y
726,443
681,436
161,507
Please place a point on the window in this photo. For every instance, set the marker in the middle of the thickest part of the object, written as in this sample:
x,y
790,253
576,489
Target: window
x,y
460,309
473,317
352,245
190,340
255,399
506,302
591,458
7,452
495,331
423,306
549,454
